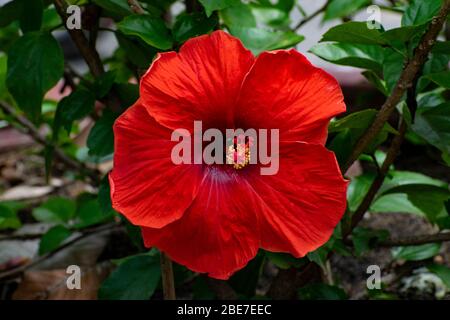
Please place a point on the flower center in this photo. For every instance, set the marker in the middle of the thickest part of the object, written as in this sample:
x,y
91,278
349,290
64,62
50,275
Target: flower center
x,y
238,152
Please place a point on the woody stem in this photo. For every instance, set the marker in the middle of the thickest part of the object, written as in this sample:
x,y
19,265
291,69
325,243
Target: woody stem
x,y
168,282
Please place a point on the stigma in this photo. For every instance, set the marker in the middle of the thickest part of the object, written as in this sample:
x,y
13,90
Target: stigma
x,y
238,152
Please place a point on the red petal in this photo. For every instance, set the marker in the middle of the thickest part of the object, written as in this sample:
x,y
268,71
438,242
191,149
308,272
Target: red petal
x,y
284,91
201,82
303,202
218,234
145,185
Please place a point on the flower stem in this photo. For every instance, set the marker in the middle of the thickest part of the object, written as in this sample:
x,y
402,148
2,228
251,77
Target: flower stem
x,y
168,282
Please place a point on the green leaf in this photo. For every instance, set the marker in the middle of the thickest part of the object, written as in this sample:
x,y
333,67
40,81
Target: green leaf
x,y
319,256
441,78
104,196
401,178
245,280
435,69
35,65
213,5
55,210
271,16
3,71
128,93
201,290
433,125
343,8
403,34
393,203
420,11
283,260
258,40
354,32
75,106
136,278
238,16
441,47
357,190
365,239
428,198
350,128
321,291
104,83
378,83
53,238
153,31
392,68
32,14
119,8
50,19
360,56
14,205
393,199
8,218
356,120
10,12
137,51
101,138
416,253
89,212
431,98
442,272
191,25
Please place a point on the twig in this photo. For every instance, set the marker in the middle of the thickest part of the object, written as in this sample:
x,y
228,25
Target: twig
x,y
370,195
312,16
416,240
38,235
136,7
392,153
168,282
192,6
88,52
91,56
19,270
32,131
288,279
406,78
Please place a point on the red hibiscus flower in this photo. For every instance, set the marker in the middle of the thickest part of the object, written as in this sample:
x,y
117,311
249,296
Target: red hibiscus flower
x,y
214,218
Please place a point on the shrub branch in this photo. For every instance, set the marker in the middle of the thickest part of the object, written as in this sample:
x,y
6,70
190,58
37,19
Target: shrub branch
x,y
28,128
406,79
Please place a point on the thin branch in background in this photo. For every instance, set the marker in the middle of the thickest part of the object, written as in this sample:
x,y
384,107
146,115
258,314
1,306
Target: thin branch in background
x,y
406,79
376,184
192,6
88,52
69,81
16,272
136,7
391,155
168,282
286,282
27,127
416,240
312,16
90,55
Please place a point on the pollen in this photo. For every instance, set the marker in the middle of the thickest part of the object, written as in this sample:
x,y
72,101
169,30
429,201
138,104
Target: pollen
x,y
238,153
